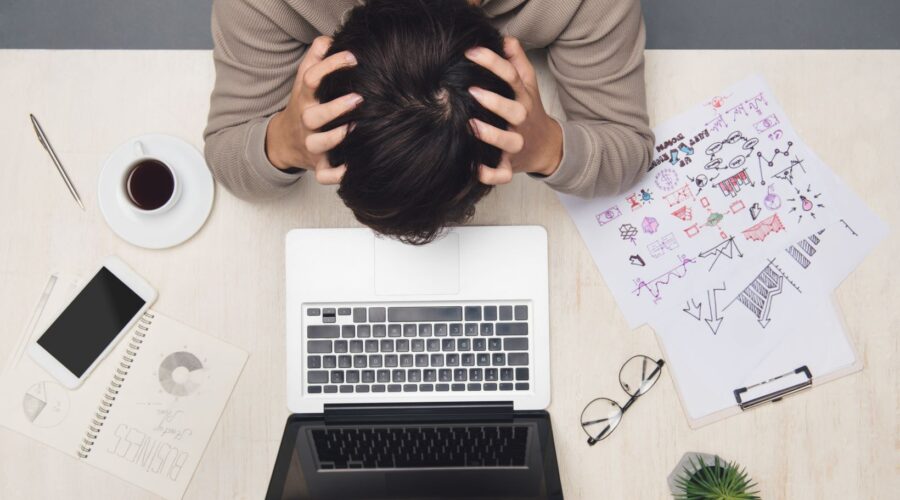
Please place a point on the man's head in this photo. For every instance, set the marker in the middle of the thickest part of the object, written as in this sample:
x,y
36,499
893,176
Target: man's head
x,y
412,157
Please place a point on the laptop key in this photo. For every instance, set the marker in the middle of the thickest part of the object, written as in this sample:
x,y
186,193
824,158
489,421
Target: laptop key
x,y
421,360
346,388
323,332
521,386
352,376
468,359
398,376
317,377
318,346
363,331
406,360
498,359
476,375
414,375
359,314
418,345
471,329
425,330
391,361
473,313
440,330
455,329
394,330
345,361
384,375
448,345
378,388
387,345
394,388
337,377
490,313
340,346
457,387
460,375
506,386
517,358
445,375
521,373
521,313
490,374
515,344
402,345
409,330
490,387
377,315
344,311
434,345
429,375
437,360
379,331
487,329
362,388
376,360
314,389
495,344
506,374
356,346
410,388
348,331
368,376
426,388
313,311
453,359
330,389
479,344
506,313
420,314
442,387
329,361
473,387
314,362
483,359
464,345
371,346
512,329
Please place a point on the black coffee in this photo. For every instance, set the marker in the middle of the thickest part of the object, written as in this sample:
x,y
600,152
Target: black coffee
x,y
150,184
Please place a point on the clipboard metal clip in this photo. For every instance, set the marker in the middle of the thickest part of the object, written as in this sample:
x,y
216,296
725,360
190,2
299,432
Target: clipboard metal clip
x,y
777,384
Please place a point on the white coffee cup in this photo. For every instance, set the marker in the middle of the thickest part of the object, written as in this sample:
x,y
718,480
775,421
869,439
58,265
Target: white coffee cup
x,y
149,184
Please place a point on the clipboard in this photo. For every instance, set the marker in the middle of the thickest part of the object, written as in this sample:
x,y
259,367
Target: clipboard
x,y
832,356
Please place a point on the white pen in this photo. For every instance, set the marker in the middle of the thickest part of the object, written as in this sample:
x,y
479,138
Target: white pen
x,y
42,137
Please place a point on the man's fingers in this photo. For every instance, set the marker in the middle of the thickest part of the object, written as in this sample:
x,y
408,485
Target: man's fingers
x,y
507,141
316,116
324,142
512,111
314,54
497,65
326,174
313,76
518,59
502,174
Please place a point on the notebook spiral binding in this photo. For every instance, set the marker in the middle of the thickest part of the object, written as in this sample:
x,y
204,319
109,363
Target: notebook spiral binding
x,y
109,397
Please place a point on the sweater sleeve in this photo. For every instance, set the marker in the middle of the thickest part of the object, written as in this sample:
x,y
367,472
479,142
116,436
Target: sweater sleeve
x,y
256,59
598,62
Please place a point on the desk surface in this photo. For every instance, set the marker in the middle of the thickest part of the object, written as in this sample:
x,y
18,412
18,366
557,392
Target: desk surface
x,y
838,441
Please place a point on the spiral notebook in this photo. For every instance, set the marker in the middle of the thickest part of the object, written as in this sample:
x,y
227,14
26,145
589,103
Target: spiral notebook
x,y
145,415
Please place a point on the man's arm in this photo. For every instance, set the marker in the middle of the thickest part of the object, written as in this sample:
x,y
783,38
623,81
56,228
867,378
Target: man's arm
x,y
257,50
598,62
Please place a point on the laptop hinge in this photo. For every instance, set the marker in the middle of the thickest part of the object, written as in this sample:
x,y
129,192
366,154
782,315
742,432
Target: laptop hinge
x,y
418,412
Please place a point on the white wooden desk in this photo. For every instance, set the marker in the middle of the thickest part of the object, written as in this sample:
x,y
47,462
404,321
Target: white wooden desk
x,y
839,441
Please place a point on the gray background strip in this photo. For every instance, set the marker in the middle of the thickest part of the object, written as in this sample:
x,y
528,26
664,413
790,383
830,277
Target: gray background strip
x,y
671,24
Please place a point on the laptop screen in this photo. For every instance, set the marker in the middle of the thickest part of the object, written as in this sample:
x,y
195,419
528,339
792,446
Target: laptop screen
x,y
512,459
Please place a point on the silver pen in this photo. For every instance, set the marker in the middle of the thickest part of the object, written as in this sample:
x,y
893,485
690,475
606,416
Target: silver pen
x,y
42,137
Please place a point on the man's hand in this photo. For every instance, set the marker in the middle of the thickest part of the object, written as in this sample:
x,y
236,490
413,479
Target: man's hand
x,y
292,139
534,141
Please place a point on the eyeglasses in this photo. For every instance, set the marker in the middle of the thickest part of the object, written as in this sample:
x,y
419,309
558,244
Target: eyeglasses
x,y
602,415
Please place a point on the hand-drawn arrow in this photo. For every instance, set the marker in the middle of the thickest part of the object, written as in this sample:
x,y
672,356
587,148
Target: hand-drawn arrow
x,y
694,309
714,321
767,307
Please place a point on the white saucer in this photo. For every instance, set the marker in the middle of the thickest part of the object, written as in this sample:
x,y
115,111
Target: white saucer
x,y
157,230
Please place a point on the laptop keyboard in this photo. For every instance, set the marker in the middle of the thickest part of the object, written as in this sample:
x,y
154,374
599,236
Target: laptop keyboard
x,y
418,447
430,349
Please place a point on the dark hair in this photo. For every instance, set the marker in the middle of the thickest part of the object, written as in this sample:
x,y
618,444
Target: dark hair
x,y
412,158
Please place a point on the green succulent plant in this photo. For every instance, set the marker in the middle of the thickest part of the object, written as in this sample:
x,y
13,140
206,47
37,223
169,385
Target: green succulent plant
x,y
716,481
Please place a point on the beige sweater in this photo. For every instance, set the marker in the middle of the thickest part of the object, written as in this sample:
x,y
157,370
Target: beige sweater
x,y
595,50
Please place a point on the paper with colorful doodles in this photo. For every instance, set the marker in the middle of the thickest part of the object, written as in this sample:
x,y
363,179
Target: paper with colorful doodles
x,y
731,183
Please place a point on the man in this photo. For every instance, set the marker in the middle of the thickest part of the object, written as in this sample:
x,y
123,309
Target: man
x,y
278,107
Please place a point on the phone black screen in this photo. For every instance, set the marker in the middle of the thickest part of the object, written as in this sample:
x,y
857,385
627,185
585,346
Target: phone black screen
x,y
91,322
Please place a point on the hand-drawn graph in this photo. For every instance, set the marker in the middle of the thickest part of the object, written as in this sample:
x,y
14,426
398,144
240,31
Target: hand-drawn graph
x,y
738,148
684,213
727,249
653,285
732,185
701,180
714,316
680,195
178,373
662,245
45,404
608,215
787,173
805,203
804,249
759,295
770,161
762,229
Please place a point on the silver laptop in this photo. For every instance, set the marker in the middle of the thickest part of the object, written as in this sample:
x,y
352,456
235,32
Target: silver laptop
x,y
374,321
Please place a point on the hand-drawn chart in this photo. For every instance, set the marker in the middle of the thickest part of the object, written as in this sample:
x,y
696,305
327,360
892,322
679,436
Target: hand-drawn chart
x,y
180,373
731,184
46,404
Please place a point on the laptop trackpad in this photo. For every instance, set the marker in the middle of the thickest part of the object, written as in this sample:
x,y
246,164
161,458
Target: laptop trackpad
x,y
432,269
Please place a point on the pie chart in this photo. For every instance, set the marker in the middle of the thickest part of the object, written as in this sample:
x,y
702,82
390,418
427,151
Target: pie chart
x,y
180,373
45,404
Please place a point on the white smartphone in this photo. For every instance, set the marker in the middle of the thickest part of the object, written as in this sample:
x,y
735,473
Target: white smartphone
x,y
106,307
